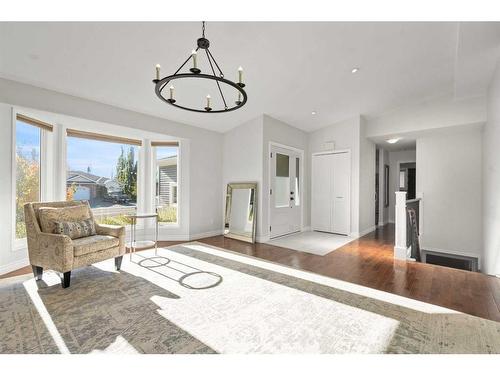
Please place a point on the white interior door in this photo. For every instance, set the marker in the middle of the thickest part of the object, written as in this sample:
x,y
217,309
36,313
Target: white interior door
x,y
321,205
341,208
330,194
285,194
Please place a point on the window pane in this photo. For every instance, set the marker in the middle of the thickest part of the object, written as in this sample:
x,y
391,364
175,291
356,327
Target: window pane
x,y
166,183
282,165
297,182
105,174
282,181
28,140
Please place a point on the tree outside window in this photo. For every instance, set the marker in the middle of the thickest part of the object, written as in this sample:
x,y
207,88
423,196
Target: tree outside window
x,y
28,141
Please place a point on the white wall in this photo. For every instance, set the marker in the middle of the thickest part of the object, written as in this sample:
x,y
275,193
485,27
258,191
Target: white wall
x,y
396,158
491,182
10,259
242,160
280,132
345,135
428,115
367,168
246,159
449,176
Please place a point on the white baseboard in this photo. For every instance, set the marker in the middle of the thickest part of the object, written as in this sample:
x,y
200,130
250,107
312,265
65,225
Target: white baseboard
x,y
212,233
6,268
362,233
401,253
262,239
367,230
383,223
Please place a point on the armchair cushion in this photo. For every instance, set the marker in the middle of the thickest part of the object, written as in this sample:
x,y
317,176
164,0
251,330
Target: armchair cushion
x,y
92,244
49,216
110,230
76,229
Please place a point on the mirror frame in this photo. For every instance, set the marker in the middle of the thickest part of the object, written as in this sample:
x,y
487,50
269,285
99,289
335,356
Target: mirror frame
x,y
229,191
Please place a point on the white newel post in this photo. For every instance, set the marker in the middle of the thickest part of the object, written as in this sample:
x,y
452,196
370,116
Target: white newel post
x,y
400,249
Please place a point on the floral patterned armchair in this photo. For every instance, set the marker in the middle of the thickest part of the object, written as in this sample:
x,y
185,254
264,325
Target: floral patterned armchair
x,y
59,252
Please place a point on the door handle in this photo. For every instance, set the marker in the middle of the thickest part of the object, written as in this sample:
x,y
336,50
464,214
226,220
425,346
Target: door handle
x,y
339,197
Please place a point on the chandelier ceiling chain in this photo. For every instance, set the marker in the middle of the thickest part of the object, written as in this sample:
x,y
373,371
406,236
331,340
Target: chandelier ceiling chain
x,y
195,72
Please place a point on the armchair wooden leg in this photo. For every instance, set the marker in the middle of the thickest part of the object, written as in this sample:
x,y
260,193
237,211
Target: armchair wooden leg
x,y
65,280
38,272
118,263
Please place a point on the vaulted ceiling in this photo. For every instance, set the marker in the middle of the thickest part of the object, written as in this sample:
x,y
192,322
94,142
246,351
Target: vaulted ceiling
x,y
291,69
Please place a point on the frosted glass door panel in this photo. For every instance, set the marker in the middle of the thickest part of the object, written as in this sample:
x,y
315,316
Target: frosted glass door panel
x,y
282,181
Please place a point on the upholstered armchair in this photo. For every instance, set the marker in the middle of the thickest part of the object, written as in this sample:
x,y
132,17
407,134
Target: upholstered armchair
x,y
58,252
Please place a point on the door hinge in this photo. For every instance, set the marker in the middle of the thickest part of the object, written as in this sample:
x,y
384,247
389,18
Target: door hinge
x,y
271,154
270,191
269,228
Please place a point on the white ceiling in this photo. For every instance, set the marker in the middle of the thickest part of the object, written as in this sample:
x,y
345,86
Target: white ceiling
x,y
290,68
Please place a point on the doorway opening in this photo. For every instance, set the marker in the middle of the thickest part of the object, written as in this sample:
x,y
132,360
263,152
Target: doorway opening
x,y
407,179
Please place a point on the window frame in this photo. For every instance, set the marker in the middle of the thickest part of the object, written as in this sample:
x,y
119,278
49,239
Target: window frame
x,y
21,243
98,136
154,176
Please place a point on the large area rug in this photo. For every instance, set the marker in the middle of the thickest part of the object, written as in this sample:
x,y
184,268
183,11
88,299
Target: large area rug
x,y
227,303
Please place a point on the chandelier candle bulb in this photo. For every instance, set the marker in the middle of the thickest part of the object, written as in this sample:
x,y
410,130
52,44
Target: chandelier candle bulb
x,y
195,61
208,101
158,71
240,74
171,92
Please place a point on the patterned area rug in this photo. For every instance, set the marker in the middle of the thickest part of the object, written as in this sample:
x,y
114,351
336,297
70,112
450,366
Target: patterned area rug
x,y
195,298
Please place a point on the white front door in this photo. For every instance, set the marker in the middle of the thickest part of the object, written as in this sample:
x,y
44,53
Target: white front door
x,y
285,192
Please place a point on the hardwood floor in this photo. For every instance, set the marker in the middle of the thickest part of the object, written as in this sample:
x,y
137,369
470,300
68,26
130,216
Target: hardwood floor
x,y
369,261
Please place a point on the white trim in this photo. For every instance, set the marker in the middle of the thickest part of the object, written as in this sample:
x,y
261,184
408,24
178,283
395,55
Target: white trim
x,y
212,233
367,230
6,268
401,253
263,239
301,182
331,152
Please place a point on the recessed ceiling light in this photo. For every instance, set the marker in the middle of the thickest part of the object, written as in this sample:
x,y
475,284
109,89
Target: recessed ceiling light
x,y
354,70
393,140
313,113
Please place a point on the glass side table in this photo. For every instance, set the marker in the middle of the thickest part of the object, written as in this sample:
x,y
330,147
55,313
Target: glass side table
x,y
134,244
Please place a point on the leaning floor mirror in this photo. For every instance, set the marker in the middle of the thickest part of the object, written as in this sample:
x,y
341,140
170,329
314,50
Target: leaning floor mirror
x,y
241,211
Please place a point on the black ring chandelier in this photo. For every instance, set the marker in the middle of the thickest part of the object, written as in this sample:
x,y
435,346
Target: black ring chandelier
x,y
195,72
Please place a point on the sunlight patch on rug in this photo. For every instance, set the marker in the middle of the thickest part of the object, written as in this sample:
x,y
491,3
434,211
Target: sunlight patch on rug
x,y
324,280
32,290
248,314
